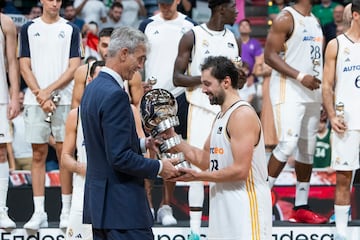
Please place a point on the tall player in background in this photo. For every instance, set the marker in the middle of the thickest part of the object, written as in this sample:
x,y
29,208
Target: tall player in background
x,y
294,50
208,39
341,75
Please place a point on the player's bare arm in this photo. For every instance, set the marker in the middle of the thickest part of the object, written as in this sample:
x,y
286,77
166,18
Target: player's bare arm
x,y
280,31
69,144
79,85
136,90
9,29
329,84
182,62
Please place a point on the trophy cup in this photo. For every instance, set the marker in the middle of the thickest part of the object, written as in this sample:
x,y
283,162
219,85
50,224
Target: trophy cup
x,y
158,111
316,64
55,97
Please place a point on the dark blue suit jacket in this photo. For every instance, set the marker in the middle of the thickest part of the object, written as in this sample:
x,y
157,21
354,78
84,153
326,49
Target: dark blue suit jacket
x,y
114,196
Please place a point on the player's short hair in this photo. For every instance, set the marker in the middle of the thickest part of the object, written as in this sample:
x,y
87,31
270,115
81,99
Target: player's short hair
x,y
355,6
99,63
106,32
214,3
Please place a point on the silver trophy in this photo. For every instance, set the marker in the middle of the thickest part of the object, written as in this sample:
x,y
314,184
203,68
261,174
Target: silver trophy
x,y
55,97
316,65
158,111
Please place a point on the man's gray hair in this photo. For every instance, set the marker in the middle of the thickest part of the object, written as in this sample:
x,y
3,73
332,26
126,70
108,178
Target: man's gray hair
x,y
126,37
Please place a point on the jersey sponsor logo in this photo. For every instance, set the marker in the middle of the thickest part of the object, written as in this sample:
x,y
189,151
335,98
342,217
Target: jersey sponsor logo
x,y
219,131
216,150
312,39
351,68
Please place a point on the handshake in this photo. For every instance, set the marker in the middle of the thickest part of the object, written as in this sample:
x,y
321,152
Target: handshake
x,y
158,111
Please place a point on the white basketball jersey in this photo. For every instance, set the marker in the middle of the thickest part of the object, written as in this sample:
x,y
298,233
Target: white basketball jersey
x,y
304,52
164,37
50,47
238,210
347,88
78,180
209,43
4,90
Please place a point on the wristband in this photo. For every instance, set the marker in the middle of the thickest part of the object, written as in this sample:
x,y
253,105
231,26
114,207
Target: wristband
x,y
300,76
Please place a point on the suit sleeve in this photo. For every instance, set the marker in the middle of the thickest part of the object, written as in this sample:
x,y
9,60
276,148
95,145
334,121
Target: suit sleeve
x,y
121,141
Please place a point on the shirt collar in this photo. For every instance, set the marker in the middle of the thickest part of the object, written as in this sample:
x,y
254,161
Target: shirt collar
x,y
114,74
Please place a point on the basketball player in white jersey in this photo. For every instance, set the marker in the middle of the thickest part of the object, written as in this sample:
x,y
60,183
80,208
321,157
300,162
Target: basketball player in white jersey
x,y
294,50
164,31
341,85
208,39
9,105
49,53
232,159
74,139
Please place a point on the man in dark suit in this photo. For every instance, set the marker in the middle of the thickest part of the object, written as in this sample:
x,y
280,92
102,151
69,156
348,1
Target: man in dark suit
x,y
115,200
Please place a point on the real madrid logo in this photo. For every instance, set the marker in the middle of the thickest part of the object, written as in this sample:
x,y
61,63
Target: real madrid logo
x,y
70,232
205,43
347,50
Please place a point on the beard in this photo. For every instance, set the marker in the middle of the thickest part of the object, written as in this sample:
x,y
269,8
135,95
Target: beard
x,y
217,100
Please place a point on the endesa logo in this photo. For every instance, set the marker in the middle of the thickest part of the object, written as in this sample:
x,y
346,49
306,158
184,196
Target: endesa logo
x,y
312,39
302,236
216,150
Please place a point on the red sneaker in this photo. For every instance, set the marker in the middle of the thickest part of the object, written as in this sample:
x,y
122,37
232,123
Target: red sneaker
x,y
307,216
293,218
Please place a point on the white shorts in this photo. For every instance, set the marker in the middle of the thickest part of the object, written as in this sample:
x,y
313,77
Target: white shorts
x,y
5,135
200,122
38,131
345,150
76,229
294,121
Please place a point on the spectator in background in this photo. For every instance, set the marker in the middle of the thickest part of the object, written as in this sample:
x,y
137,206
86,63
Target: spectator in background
x,y
91,10
114,16
70,15
134,11
334,28
151,7
247,92
322,156
324,11
35,12
186,7
59,46
274,8
9,105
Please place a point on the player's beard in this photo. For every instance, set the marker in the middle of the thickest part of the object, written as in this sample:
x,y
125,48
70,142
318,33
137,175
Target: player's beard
x,y
218,99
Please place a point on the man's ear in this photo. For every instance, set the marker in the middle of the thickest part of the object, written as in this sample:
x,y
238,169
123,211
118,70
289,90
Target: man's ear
x,y
227,82
123,54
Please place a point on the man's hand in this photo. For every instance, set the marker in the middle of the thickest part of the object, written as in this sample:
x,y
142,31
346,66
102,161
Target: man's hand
x,y
48,106
338,124
13,108
42,95
311,82
186,175
169,171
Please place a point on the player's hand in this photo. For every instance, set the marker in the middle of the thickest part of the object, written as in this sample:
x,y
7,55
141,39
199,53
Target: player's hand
x,y
338,125
169,171
42,95
13,109
152,144
186,175
48,106
311,82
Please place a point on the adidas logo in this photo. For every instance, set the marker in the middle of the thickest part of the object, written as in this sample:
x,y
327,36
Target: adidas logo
x,y
78,236
156,32
37,34
207,52
347,60
302,189
2,135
